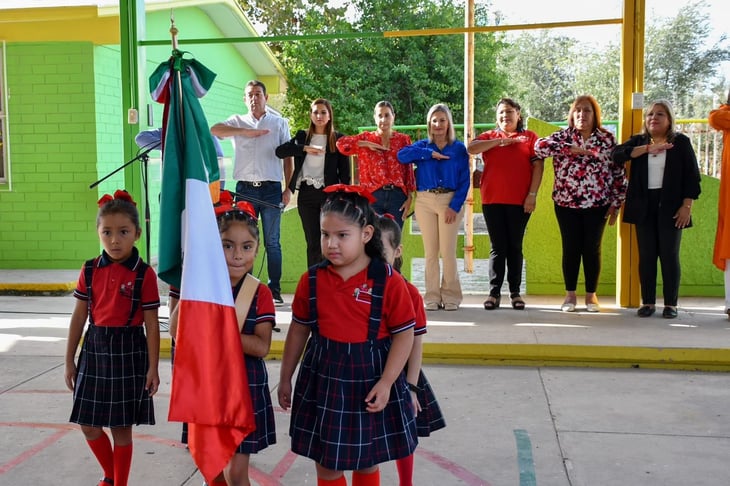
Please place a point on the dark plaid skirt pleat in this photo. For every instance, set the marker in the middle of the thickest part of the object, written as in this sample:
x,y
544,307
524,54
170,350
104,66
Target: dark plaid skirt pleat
x,y
258,383
329,421
111,377
184,433
430,418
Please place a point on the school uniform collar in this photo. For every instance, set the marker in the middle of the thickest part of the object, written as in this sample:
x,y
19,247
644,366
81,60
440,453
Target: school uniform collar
x,y
131,263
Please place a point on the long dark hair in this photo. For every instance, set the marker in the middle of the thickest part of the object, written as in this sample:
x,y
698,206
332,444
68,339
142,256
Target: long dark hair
x,y
390,229
329,129
356,209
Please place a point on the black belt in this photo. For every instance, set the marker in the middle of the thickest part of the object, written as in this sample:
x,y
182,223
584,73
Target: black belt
x,y
389,187
257,183
439,190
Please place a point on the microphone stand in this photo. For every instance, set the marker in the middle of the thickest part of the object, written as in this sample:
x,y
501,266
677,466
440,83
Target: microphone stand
x,y
251,199
144,158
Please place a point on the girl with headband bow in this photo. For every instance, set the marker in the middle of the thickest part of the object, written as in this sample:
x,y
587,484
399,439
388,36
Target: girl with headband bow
x,y
351,408
116,375
239,232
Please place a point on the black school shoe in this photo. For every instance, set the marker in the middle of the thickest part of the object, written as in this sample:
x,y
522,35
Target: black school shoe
x,y
278,301
645,311
669,313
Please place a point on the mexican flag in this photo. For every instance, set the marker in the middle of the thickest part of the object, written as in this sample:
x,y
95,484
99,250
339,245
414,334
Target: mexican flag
x,y
209,385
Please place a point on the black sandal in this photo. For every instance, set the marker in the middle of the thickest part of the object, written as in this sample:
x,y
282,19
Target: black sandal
x,y
517,302
106,481
492,302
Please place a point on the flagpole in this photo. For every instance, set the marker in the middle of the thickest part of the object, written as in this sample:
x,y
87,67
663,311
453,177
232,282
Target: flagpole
x,y
173,30
175,52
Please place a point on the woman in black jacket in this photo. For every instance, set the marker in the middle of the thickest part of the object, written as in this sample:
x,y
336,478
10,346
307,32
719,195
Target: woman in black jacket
x,y
317,164
663,184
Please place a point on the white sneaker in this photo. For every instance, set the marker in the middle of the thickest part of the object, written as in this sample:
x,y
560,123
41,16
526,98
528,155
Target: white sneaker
x,y
432,306
593,307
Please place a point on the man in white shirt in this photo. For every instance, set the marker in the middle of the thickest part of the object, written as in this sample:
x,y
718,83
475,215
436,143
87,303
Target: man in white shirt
x,y
258,172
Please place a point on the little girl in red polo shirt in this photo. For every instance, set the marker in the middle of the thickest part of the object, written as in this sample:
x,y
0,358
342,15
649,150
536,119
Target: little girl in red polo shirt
x,y
351,409
239,232
116,375
428,413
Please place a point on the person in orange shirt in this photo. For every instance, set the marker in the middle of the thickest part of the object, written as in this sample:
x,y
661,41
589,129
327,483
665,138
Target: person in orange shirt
x,y
720,120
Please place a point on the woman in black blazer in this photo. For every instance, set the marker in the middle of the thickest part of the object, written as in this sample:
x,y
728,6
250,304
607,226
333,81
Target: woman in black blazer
x,y
663,184
317,164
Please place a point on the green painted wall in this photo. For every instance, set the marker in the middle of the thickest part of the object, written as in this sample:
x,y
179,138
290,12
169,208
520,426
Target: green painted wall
x,y
48,217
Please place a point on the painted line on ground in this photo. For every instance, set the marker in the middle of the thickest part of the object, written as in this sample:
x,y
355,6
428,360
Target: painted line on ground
x,y
263,478
24,456
469,478
525,462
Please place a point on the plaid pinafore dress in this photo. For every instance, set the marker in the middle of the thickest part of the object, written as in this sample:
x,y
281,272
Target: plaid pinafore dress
x,y
258,384
329,421
429,419
112,368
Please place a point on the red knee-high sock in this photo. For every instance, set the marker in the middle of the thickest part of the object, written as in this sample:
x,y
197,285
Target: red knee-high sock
x,y
102,449
405,470
122,464
360,479
341,481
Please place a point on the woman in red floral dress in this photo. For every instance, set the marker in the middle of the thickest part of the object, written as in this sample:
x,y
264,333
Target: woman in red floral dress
x,y
588,191
392,184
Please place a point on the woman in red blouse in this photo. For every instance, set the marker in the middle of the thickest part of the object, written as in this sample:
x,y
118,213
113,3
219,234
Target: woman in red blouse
x,y
509,184
392,184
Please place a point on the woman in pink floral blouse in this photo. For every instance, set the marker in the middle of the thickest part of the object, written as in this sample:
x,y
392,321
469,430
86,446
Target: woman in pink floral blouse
x,y
392,184
588,191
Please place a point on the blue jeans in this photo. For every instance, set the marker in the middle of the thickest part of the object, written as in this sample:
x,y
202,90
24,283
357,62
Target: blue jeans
x,y
390,201
269,192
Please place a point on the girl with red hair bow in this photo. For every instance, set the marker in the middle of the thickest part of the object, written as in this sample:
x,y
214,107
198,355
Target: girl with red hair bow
x,y
239,232
116,375
351,408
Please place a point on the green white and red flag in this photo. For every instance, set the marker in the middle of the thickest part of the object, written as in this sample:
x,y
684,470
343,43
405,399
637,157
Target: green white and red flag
x,y
209,386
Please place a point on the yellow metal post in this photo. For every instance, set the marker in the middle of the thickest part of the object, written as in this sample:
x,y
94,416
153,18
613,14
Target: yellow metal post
x,y
630,122
131,21
468,135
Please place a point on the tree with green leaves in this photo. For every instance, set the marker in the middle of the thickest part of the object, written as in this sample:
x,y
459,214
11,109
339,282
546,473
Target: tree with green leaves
x,y
679,64
541,73
548,72
355,73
